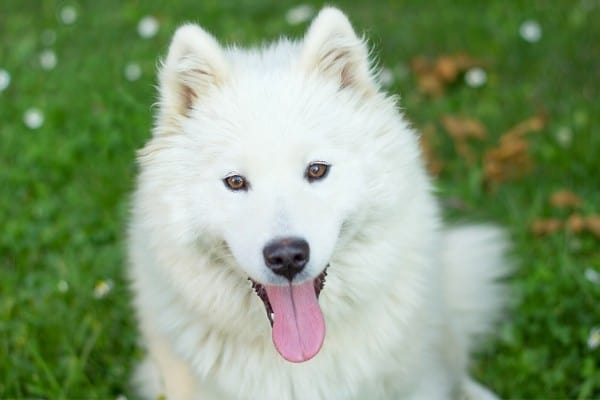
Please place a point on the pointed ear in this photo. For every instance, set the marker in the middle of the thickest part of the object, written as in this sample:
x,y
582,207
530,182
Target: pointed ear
x,y
195,63
332,49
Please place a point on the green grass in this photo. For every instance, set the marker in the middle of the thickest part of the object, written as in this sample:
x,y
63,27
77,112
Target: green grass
x,y
64,187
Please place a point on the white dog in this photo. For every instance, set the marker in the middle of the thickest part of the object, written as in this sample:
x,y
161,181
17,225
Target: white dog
x,y
283,179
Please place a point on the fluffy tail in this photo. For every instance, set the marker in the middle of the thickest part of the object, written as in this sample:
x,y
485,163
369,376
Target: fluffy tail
x,y
474,258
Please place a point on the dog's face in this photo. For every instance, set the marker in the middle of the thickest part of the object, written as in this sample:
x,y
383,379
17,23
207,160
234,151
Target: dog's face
x,y
274,153
275,173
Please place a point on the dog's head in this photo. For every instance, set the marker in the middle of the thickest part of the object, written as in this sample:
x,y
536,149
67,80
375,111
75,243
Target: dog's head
x,y
274,151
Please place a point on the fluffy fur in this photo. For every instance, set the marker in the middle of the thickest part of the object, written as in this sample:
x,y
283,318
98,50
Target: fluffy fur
x,y
404,297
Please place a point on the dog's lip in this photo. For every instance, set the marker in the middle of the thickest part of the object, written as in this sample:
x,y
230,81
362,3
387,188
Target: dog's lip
x,y
259,289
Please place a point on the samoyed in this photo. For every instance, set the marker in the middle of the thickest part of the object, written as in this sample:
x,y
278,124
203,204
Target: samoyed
x,y
285,242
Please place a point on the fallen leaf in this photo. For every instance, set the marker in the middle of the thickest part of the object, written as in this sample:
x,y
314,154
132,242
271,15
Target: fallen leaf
x,y
434,76
510,150
541,227
427,79
446,68
460,130
564,199
431,85
533,124
509,161
592,223
463,128
511,158
575,223
464,61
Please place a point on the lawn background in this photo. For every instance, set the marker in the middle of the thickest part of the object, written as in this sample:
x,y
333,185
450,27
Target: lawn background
x,y
64,187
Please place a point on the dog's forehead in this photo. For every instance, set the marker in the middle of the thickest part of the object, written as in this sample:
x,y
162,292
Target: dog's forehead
x,y
276,106
270,103
269,81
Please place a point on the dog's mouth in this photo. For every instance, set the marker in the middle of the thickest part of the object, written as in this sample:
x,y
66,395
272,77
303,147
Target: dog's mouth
x,y
259,289
295,316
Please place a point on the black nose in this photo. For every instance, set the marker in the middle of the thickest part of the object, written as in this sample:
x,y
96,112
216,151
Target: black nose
x,y
286,256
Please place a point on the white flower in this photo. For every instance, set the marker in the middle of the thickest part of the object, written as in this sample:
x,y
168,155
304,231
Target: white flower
x,y
299,14
530,31
148,27
594,339
62,286
48,59
102,288
133,71
476,77
121,397
68,15
33,118
592,275
564,136
4,79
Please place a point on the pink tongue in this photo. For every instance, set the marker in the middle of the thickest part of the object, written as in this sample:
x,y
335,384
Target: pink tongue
x,y
298,326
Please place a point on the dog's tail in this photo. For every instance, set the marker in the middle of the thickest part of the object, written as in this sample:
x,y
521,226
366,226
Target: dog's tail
x,y
474,258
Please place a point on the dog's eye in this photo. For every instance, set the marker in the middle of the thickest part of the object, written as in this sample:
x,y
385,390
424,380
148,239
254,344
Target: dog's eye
x,y
316,170
236,182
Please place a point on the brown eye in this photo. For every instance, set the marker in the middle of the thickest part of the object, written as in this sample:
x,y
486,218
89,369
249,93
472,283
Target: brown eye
x,y
316,170
236,182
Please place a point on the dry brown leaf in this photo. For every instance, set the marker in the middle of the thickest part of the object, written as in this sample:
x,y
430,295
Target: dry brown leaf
x,y
464,61
463,128
511,159
575,223
434,75
427,79
545,226
430,84
460,130
564,199
509,150
492,171
592,223
533,124
446,69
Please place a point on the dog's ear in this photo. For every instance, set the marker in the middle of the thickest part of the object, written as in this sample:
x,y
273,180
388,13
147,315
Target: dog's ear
x,y
194,65
332,49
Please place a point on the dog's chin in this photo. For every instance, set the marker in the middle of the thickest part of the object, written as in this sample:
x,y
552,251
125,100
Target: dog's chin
x,y
259,289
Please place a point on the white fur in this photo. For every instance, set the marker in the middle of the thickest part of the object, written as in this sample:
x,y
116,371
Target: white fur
x,y
403,299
